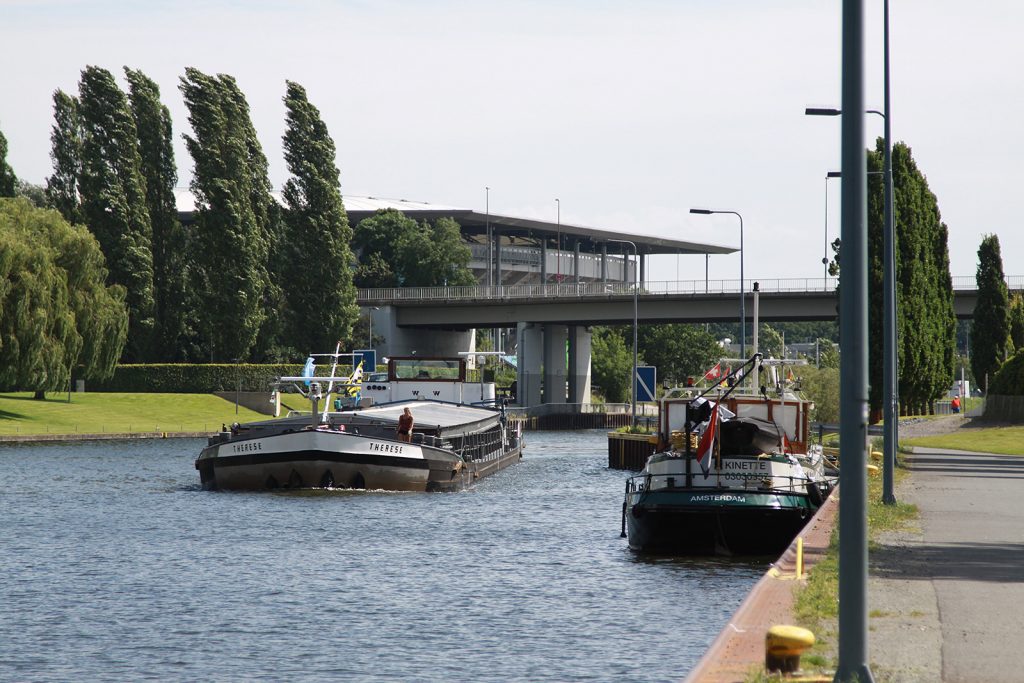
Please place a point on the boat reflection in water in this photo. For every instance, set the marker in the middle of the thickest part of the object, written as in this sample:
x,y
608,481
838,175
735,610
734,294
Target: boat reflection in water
x,y
737,476
356,445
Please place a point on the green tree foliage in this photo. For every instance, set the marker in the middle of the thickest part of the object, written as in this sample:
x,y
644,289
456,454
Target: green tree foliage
x,y
926,322
395,250
34,193
317,261
8,181
113,200
612,363
270,223
821,386
770,342
677,350
1017,320
66,154
56,310
1009,379
170,267
991,326
827,354
228,244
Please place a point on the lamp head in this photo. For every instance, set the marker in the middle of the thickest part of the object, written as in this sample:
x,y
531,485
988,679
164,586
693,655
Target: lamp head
x,y
703,212
821,111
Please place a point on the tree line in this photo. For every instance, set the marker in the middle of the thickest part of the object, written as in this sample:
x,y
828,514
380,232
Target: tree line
x,y
251,278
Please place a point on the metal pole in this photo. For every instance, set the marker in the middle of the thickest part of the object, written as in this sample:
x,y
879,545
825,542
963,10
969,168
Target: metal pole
x,y
490,239
636,307
558,253
853,332
824,259
890,381
743,296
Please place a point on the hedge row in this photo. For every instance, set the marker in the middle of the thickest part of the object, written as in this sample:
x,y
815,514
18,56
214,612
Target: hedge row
x,y
179,378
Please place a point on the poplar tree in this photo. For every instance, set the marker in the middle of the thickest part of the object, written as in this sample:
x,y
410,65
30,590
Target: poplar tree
x,y
991,321
8,181
321,299
227,245
66,154
170,267
926,322
113,196
269,223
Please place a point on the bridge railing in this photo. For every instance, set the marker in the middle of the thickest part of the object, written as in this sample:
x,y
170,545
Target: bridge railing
x,y
592,290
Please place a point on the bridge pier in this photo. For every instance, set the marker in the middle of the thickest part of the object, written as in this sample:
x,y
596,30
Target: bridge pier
x,y
529,355
555,337
579,364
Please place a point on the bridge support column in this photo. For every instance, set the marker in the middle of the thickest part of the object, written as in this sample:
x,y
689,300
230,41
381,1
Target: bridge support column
x,y
555,337
579,364
529,355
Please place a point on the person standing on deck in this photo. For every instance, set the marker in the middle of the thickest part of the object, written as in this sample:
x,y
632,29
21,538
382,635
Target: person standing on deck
x,y
405,424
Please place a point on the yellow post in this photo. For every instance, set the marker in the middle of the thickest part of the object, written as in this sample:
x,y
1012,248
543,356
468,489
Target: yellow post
x,y
799,557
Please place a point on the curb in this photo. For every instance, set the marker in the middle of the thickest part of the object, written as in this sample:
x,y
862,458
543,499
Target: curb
x,y
740,645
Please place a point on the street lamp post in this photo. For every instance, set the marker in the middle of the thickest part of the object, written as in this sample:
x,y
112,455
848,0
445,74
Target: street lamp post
x,y
558,247
636,294
369,321
490,238
743,294
890,360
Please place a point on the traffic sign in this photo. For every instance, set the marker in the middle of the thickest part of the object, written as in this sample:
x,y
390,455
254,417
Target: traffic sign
x,y
646,383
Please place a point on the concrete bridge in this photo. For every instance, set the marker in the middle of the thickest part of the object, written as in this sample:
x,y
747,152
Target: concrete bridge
x,y
548,318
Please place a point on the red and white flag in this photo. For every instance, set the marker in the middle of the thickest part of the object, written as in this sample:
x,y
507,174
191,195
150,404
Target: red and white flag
x,y
706,447
714,373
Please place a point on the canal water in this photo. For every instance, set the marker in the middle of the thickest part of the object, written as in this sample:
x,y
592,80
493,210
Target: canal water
x,y
115,565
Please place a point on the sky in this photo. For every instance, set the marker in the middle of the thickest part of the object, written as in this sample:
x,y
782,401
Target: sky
x,y
630,113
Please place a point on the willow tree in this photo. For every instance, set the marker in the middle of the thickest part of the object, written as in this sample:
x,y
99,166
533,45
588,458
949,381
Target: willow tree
x,y
990,328
228,243
320,310
113,200
170,266
56,310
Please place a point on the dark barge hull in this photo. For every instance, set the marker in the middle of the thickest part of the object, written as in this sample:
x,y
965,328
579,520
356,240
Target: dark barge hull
x,y
715,522
332,460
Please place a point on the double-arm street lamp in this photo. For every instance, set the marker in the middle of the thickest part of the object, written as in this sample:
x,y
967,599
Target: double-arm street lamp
x,y
636,294
890,382
743,296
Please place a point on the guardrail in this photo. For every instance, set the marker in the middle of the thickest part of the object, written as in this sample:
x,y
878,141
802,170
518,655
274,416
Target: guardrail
x,y
596,290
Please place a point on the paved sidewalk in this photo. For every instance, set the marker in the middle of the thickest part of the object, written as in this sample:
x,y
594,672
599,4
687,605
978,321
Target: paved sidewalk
x,y
947,600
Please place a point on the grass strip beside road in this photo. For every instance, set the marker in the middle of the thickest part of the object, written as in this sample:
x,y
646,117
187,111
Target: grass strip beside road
x,y
1003,440
817,601
114,413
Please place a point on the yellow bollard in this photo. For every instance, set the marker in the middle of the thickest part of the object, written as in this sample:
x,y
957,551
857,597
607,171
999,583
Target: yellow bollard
x,y
799,557
783,646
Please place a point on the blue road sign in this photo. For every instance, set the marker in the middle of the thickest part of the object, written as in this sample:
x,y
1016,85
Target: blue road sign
x,y
646,383
369,357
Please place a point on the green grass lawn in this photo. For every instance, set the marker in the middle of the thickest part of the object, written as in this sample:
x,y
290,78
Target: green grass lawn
x,y
1005,440
97,413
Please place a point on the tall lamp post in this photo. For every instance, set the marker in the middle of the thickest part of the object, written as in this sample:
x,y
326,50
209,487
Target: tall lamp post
x,y
743,294
558,247
490,238
890,360
636,294
369,320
